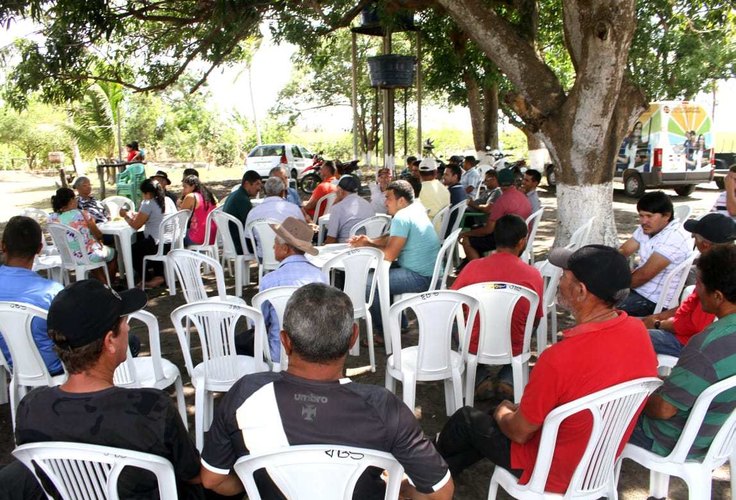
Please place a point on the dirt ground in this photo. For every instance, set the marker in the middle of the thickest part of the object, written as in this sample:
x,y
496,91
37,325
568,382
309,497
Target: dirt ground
x,y
20,190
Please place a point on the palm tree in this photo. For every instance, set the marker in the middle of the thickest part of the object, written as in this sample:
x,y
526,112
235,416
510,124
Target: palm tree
x,y
97,120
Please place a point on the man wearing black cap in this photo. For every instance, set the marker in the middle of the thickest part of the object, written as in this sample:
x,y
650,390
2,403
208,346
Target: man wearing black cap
x,y
349,209
605,348
163,179
672,329
88,408
512,201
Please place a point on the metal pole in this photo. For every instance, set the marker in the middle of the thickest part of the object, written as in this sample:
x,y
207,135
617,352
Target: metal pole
x,y
388,114
419,93
354,98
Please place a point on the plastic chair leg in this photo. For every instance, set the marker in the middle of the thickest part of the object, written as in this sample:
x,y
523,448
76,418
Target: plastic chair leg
x,y
409,388
200,404
470,371
169,276
4,397
659,484
239,265
355,350
390,382
518,375
180,403
371,344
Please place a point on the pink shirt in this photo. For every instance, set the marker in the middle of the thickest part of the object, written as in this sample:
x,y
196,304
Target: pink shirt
x,y
512,201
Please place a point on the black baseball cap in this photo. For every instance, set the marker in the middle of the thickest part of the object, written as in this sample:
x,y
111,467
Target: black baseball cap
x,y
348,183
716,228
86,310
603,270
505,177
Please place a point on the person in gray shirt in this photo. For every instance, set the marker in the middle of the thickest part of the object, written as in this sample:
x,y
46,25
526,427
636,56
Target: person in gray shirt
x,y
348,210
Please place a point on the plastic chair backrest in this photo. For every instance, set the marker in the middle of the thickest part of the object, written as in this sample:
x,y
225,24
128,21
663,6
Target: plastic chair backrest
x,y
132,172
216,323
40,216
29,368
581,236
357,264
62,235
551,276
277,296
316,472
173,229
125,374
223,221
81,471
373,227
682,212
327,201
265,241
436,313
497,302
673,284
454,215
115,203
444,261
612,410
532,224
724,442
189,270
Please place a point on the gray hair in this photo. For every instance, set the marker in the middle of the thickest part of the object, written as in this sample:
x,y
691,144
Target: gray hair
x,y
274,186
80,180
276,170
319,322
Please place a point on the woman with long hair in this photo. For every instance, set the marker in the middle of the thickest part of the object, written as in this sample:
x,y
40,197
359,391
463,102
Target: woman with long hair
x,y
197,198
154,206
67,212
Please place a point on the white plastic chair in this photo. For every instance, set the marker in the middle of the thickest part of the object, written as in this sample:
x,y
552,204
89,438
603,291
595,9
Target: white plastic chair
x,y
317,472
373,227
278,297
49,259
445,215
327,201
113,204
433,357
532,223
5,372
229,252
151,371
221,366
207,248
74,261
673,284
29,369
357,264
695,472
265,240
581,236
547,327
612,411
81,471
173,229
682,213
497,302
189,267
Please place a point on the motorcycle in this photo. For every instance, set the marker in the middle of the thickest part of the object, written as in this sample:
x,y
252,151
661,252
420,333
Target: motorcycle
x,y
310,179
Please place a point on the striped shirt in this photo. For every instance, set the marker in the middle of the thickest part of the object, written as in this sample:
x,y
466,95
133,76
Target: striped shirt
x,y
708,358
671,243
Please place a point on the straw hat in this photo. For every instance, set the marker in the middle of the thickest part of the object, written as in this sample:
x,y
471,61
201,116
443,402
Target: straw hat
x,y
296,233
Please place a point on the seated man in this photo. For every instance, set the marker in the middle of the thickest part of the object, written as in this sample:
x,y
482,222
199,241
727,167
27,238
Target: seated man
x,y
88,408
605,348
327,186
471,176
705,360
672,329
293,240
529,184
238,204
505,265
378,189
512,201
21,243
412,242
485,201
267,411
661,245
87,202
726,202
273,206
434,195
163,179
349,209
451,179
292,195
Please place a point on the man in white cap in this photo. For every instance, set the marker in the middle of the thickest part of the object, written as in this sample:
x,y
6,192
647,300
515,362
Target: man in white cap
x,y
349,209
434,195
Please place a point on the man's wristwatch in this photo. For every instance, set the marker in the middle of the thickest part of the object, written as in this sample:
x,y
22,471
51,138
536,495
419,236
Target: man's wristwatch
x,y
656,324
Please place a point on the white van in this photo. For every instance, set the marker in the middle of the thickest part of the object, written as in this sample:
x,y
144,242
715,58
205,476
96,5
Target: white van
x,y
670,146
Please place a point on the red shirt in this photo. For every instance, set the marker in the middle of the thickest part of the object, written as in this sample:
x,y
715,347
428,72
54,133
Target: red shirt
x,y
512,201
503,266
591,357
690,319
323,188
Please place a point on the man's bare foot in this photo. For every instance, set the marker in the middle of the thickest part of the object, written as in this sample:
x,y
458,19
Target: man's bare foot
x,y
155,282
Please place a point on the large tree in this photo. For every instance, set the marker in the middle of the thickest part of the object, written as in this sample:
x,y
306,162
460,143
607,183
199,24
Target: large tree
x,y
581,124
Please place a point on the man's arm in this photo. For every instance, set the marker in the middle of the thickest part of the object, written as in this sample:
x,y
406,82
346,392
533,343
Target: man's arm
x,y
652,267
362,240
663,317
513,423
628,248
483,230
330,239
658,408
223,484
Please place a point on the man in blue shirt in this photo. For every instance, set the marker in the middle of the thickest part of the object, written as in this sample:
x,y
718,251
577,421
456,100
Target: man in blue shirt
x,y
21,243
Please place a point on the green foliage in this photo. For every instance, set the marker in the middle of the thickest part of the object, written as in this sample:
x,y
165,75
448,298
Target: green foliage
x,y
95,120
33,133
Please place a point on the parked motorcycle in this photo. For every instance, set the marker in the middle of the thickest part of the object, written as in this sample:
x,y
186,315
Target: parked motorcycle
x,y
310,179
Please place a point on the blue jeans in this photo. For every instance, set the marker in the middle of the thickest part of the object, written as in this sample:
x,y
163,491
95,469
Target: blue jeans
x,y
665,343
400,280
637,306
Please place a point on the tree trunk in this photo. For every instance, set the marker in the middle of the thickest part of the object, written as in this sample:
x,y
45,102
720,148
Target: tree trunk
x,y
483,106
584,127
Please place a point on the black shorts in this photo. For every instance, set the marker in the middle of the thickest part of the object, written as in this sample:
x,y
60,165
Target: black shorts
x,y
483,244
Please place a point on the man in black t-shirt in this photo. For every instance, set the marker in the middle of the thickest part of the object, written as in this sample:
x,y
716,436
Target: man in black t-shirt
x,y
311,403
89,409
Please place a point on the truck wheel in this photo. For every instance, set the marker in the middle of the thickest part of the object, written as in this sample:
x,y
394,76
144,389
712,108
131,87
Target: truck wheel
x,y
685,190
633,185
